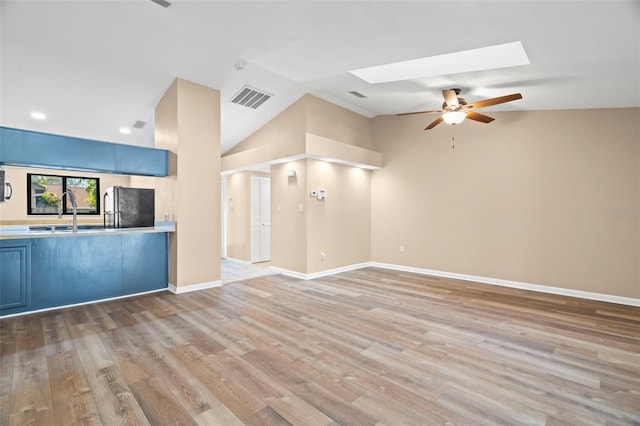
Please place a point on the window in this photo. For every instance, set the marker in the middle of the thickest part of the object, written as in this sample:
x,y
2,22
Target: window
x,y
45,192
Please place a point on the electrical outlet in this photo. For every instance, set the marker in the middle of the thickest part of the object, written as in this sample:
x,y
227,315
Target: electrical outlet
x,y
323,256
401,249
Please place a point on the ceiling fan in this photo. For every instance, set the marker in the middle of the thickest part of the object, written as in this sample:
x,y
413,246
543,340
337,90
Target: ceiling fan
x,y
455,110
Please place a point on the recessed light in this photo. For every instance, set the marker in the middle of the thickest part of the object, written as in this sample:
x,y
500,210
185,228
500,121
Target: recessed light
x,y
484,58
37,115
125,130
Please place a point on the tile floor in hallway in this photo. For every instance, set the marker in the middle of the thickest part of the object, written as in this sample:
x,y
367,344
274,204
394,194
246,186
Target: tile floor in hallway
x,y
236,270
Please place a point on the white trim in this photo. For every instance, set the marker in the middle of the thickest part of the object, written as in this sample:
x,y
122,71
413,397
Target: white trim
x,y
288,273
319,274
83,303
244,262
515,284
194,287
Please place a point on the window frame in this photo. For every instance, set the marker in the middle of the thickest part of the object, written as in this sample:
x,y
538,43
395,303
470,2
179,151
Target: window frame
x,y
65,210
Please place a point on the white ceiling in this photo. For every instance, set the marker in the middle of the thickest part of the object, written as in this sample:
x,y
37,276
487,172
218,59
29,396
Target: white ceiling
x,y
96,66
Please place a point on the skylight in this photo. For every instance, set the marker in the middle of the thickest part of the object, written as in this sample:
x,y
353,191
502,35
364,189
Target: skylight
x,y
484,58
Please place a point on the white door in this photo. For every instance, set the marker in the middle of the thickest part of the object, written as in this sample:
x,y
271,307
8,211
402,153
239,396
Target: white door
x,y
260,219
223,215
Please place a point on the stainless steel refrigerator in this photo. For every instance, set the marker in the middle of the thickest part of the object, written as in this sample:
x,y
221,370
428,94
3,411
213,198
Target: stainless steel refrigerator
x,y
129,207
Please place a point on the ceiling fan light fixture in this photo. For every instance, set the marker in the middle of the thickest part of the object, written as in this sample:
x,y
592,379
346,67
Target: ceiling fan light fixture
x,y
454,117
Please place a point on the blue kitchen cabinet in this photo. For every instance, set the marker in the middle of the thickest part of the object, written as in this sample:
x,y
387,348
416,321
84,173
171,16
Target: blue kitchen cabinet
x,y
15,271
145,262
61,152
136,160
10,145
79,269
47,272
75,269
35,149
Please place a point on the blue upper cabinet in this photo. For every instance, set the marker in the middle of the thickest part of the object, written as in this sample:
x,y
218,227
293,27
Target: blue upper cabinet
x,y
35,149
135,160
10,145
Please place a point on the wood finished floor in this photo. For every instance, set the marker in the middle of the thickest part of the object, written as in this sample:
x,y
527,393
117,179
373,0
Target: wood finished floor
x,y
368,347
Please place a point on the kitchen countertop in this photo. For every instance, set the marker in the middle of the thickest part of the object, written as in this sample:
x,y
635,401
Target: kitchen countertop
x,y
47,231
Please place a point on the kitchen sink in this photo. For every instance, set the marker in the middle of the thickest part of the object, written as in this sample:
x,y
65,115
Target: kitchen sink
x,y
64,228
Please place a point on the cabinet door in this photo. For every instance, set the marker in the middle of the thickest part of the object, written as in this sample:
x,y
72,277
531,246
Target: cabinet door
x,y
14,275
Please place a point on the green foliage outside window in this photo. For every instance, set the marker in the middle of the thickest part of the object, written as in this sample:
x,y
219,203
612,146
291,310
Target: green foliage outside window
x,y
51,199
92,192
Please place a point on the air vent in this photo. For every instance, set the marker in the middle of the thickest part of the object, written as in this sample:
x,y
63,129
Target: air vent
x,y
357,94
250,97
139,124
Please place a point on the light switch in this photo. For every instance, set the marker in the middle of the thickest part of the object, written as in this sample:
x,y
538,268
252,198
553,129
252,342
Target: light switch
x,y
301,208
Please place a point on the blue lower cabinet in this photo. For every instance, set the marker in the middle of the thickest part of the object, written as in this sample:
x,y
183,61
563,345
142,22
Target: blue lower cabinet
x,y
15,274
144,262
75,269
69,270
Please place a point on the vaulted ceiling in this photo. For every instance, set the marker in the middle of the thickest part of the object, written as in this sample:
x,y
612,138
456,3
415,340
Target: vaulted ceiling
x,y
95,66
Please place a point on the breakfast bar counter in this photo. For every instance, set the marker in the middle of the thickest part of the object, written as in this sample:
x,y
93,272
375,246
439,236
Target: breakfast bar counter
x,y
44,268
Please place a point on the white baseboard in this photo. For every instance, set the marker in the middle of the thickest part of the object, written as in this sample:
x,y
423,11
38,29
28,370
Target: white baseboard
x,y
244,262
194,287
319,274
83,303
514,284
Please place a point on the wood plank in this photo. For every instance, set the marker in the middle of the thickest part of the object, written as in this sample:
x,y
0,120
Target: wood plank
x,y
159,405
236,398
114,400
73,401
297,411
7,361
191,394
219,415
31,402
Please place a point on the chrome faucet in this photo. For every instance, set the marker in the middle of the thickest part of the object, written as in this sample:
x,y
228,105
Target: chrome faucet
x,y
72,197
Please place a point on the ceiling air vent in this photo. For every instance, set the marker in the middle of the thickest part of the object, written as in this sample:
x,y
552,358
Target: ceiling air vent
x,y
139,124
250,97
357,94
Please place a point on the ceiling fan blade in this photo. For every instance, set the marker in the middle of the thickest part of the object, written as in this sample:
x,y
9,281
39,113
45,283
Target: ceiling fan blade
x,y
451,98
421,112
434,123
495,101
479,117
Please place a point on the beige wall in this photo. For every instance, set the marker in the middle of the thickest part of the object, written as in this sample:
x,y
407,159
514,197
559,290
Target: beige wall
x,y
288,126
337,123
340,225
14,211
166,137
542,197
188,125
288,223
303,227
238,205
313,115
538,197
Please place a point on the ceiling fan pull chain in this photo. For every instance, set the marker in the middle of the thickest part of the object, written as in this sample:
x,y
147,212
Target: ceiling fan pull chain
x,y
453,141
